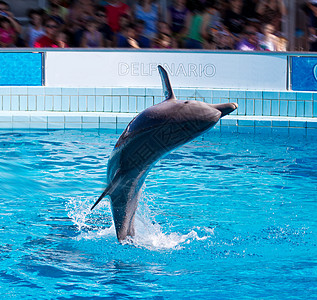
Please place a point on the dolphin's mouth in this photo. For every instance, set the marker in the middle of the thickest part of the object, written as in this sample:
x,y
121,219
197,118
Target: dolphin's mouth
x,y
225,108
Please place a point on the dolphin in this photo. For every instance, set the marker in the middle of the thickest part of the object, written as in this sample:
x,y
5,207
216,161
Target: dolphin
x,y
150,135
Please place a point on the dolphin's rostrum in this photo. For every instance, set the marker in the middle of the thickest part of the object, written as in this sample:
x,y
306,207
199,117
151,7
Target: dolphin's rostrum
x,y
150,135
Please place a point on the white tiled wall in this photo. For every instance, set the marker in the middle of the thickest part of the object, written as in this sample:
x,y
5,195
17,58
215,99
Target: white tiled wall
x,y
56,108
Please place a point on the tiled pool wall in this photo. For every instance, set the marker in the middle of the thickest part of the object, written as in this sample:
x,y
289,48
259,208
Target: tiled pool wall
x,y
113,108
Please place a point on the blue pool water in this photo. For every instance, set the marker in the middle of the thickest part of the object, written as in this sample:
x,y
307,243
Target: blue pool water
x,y
224,217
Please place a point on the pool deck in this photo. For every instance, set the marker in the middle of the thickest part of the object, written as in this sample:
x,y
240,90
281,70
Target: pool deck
x,y
10,120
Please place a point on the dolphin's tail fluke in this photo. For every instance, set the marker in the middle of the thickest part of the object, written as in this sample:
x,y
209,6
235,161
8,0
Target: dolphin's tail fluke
x,y
167,88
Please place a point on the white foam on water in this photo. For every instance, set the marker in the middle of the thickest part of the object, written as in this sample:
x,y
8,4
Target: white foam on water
x,y
149,234
77,210
158,240
90,224
97,234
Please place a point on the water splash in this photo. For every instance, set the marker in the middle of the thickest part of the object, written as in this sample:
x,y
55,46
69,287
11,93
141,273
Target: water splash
x,y
158,240
90,225
78,211
150,234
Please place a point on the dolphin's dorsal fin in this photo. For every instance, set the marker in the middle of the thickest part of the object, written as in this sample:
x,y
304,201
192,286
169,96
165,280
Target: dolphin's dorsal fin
x,y
167,88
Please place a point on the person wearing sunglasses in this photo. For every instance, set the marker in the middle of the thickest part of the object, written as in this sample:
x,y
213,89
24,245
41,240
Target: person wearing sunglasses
x,y
51,37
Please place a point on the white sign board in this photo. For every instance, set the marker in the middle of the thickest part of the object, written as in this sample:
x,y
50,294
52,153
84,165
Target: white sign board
x,y
186,69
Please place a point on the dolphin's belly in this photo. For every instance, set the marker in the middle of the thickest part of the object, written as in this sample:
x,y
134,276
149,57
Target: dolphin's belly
x,y
134,158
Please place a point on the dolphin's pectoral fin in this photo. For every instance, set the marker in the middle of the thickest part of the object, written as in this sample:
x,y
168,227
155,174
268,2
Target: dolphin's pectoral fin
x,y
167,88
109,189
105,193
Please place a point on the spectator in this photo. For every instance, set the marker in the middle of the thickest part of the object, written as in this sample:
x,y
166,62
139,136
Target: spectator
x,y
271,12
250,40
224,40
177,15
76,29
149,12
249,10
62,39
56,13
103,27
223,6
311,10
194,39
163,41
166,33
127,37
233,18
84,5
268,41
7,34
35,29
78,14
142,40
187,23
282,44
63,11
51,38
92,37
124,22
14,24
211,24
114,10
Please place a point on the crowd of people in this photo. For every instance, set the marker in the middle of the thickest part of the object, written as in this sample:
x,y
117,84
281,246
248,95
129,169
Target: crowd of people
x,y
246,25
